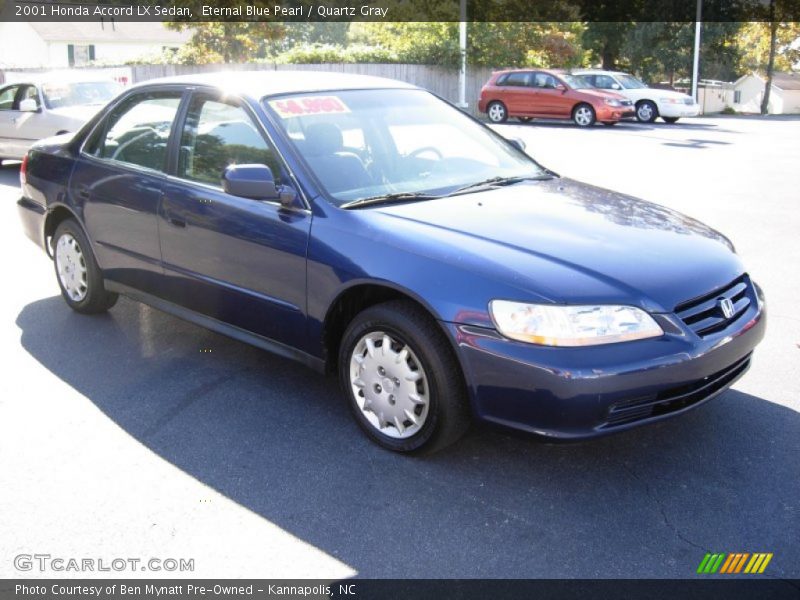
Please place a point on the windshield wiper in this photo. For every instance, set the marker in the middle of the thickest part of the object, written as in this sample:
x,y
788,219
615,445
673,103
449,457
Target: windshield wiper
x,y
498,182
388,198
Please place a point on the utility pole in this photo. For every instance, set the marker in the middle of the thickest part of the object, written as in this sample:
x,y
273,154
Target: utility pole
x,y
698,25
462,41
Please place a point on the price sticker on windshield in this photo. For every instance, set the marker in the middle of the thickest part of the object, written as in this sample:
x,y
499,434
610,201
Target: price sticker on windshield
x,y
311,105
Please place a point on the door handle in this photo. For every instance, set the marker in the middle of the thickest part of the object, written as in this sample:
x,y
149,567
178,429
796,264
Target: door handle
x,y
176,222
83,192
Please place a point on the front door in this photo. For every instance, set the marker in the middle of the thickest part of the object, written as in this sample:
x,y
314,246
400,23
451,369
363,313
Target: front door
x,y
237,260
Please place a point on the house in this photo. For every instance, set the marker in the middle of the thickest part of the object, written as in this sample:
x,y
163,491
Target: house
x,y
60,44
784,97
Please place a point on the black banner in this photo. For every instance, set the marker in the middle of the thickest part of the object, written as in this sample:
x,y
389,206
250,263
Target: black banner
x,y
738,588
403,10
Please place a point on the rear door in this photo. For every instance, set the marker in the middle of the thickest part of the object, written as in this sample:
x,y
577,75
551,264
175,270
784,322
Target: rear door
x,y
118,182
237,260
517,93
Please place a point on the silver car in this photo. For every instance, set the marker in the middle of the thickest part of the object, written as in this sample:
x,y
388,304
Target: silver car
x,y
33,110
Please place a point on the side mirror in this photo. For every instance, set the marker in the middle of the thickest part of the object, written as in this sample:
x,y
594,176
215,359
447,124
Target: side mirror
x,y
29,105
255,182
561,87
517,143
615,86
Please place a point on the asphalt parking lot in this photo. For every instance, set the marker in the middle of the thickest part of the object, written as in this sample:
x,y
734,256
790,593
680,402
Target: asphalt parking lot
x,y
135,434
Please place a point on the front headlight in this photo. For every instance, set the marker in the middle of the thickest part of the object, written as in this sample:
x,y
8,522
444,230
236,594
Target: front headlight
x,y
612,102
552,325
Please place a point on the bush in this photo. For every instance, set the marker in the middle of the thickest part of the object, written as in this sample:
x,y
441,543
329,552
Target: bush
x,y
728,110
334,53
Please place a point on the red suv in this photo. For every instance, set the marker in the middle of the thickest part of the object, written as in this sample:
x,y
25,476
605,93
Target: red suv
x,y
529,93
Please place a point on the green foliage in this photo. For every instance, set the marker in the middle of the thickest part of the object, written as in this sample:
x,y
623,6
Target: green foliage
x,y
228,42
332,53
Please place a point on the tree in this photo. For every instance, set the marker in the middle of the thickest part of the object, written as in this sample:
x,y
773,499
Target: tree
x,y
226,41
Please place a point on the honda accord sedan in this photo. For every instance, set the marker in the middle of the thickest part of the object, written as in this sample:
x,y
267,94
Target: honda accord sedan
x,y
369,229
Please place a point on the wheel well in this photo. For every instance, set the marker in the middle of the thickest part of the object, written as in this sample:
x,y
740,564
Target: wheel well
x,y
351,302
57,216
577,104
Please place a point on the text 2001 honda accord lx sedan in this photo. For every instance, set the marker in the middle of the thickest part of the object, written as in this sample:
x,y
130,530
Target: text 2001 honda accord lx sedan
x,y
366,227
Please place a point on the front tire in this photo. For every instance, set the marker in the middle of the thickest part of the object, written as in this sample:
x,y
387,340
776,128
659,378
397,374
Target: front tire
x,y
402,380
646,111
583,115
670,120
77,273
497,112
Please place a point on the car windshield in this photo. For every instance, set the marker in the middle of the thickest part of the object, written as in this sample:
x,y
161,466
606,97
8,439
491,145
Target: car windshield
x,y
576,82
63,94
394,142
630,82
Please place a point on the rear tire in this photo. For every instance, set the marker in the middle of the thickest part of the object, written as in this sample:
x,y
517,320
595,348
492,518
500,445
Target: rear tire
x,y
401,379
77,273
497,112
670,120
583,115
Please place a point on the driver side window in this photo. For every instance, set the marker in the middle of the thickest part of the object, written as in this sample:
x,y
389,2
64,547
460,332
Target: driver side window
x,y
604,82
7,97
137,131
219,134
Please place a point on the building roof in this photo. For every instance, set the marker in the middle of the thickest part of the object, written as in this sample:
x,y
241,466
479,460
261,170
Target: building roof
x,y
109,31
781,80
786,81
258,84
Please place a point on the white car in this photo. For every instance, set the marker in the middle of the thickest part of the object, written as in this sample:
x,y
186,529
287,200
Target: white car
x,y
32,110
650,102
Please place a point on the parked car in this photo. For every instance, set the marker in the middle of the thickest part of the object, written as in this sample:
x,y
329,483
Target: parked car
x,y
650,103
538,93
33,110
367,228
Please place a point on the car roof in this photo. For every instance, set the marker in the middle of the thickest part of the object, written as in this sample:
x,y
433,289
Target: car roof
x,y
529,69
599,71
258,84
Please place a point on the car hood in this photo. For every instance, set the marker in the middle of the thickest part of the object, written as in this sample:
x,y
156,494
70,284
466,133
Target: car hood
x,y
81,112
567,242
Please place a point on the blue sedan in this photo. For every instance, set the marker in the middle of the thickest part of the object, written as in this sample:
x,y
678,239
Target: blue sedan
x,y
369,229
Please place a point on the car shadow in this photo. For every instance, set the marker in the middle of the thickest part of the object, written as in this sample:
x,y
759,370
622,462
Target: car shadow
x,y
277,439
623,126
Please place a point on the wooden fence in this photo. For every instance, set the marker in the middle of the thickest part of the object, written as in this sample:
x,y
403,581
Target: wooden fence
x,y
439,80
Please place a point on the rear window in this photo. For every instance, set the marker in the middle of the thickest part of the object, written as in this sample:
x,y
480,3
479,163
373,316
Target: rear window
x,y
515,79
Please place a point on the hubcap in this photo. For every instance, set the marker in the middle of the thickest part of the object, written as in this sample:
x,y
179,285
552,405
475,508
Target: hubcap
x,y
496,112
583,116
645,112
71,267
389,385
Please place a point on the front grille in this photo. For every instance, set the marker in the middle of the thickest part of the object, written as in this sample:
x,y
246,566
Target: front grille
x,y
674,399
704,315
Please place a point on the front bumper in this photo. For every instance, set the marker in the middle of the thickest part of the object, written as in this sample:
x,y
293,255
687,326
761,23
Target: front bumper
x,y
574,393
678,110
609,114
